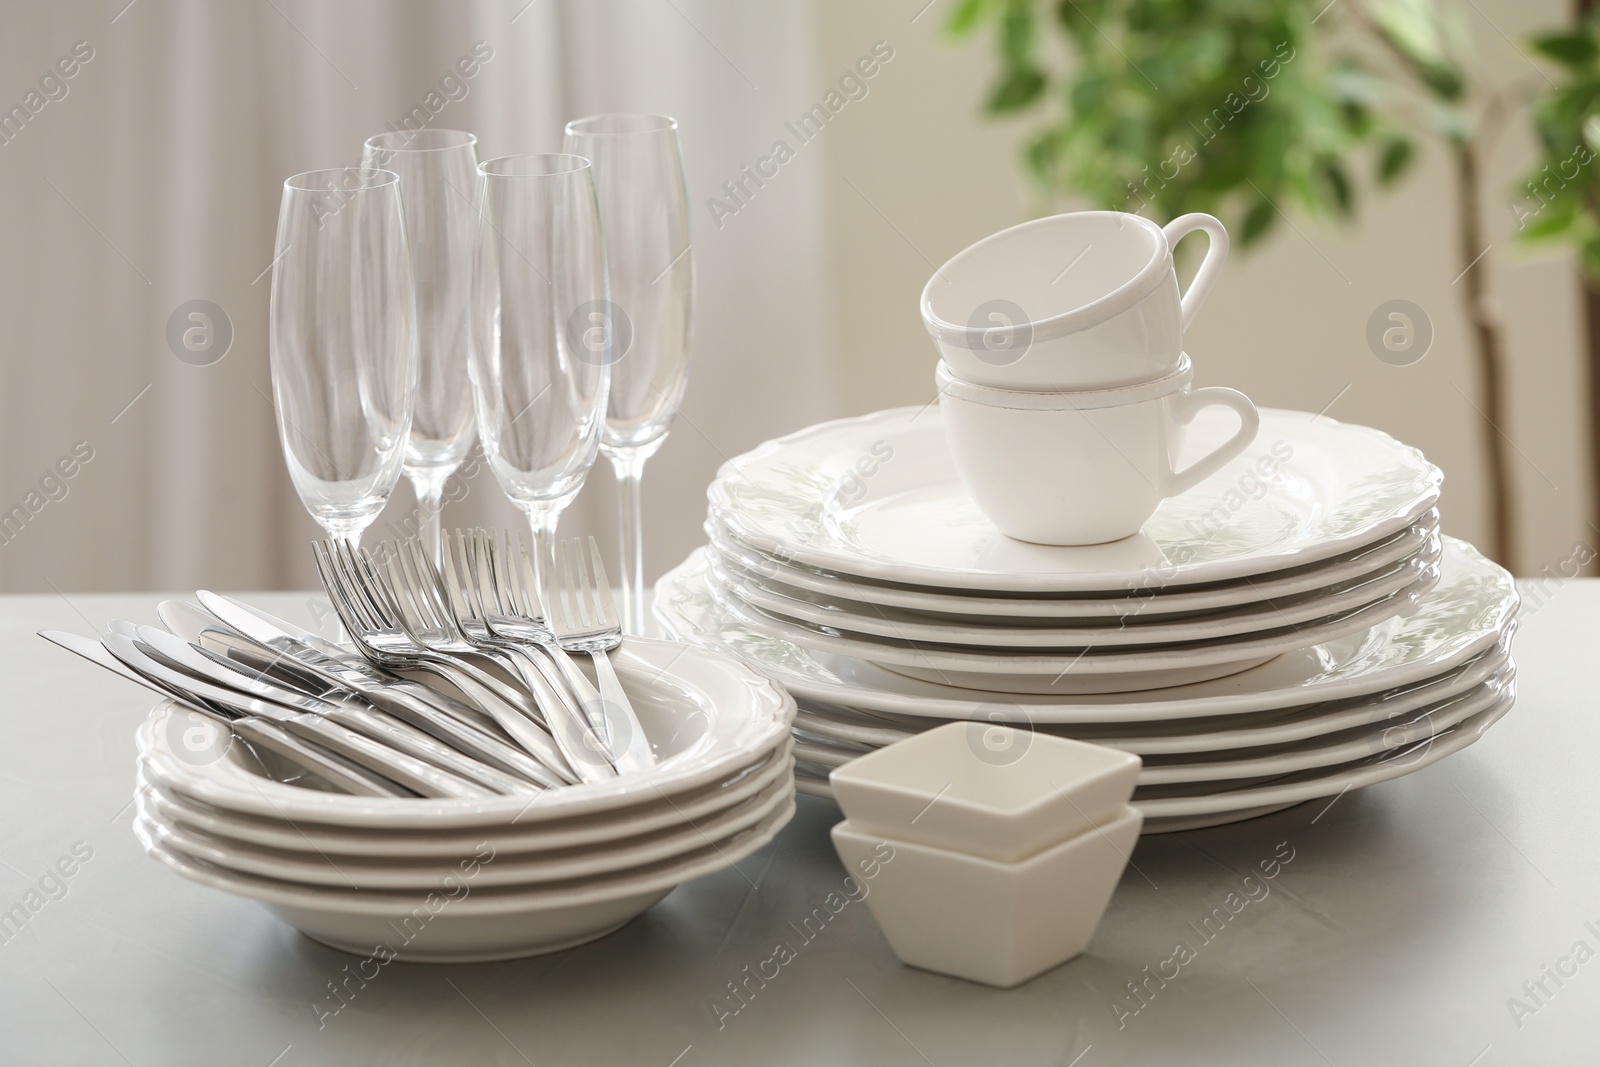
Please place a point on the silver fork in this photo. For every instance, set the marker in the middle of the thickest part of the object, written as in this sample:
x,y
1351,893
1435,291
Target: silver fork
x,y
583,617
460,596
507,577
375,619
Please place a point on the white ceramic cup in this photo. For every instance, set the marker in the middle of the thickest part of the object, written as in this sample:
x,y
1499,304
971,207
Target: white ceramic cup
x,y
1086,300
1081,468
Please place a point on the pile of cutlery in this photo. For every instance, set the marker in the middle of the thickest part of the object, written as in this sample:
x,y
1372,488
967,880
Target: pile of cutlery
x,y
515,715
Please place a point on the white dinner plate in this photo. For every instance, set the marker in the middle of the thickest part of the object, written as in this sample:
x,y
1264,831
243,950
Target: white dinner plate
x,y
852,618
878,497
1469,611
1389,731
1167,809
503,868
1081,670
467,924
1143,603
594,831
707,715
1216,733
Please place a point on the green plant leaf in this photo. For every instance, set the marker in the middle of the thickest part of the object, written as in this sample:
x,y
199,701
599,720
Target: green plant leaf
x,y
964,18
1395,156
1337,183
1079,18
1017,33
1540,222
1257,221
1415,31
1576,50
1017,89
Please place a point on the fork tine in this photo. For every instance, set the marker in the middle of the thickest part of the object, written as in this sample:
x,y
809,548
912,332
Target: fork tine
x,y
457,590
583,587
566,605
495,554
419,586
604,601
383,588
353,623
490,573
582,595
523,563
528,602
391,609
355,587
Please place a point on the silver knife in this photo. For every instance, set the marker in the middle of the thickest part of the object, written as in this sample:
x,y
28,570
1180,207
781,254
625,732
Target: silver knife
x,y
339,669
336,770
409,771
284,636
181,655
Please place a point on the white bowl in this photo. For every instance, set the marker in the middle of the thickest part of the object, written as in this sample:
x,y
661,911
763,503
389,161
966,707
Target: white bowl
x,y
985,789
492,866
996,923
588,830
464,924
707,716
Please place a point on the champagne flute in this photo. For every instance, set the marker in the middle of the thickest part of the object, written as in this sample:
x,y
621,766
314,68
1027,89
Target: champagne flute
x,y
644,207
438,177
342,337
539,271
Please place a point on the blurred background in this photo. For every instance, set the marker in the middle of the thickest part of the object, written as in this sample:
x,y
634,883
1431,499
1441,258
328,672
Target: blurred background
x,y
150,178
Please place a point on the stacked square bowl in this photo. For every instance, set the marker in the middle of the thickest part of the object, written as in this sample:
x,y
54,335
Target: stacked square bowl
x,y
1293,626
454,880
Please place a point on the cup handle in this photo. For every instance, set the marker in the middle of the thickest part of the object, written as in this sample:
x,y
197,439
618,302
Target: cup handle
x,y
1190,405
1210,267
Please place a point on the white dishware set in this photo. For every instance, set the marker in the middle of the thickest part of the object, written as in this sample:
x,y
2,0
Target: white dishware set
x,y
996,849
1279,621
501,814
1064,386
1075,600
494,877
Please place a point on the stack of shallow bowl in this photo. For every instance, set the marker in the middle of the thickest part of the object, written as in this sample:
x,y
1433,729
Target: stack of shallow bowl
x,y
1293,627
451,880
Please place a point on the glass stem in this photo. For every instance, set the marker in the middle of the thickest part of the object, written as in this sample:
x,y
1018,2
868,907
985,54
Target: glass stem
x,y
429,488
629,465
543,519
347,532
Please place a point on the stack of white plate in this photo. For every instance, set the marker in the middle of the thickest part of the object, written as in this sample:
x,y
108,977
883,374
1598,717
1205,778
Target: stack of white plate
x,y
1293,627
450,880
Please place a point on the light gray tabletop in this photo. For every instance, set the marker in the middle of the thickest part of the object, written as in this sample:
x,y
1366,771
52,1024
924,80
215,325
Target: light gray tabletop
x,y
1449,918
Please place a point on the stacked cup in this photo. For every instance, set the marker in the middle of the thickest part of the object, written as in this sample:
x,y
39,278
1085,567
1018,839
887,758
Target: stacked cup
x,y
992,852
1063,386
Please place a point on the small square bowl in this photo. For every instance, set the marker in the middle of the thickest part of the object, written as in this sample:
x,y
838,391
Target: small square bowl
x,y
985,789
996,923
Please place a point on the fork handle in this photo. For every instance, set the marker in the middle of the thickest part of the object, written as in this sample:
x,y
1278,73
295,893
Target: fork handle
x,y
455,669
635,753
336,770
414,774
402,736
518,724
481,746
580,743
591,705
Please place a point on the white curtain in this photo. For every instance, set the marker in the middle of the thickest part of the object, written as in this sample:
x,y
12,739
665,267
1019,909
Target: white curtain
x,y
150,177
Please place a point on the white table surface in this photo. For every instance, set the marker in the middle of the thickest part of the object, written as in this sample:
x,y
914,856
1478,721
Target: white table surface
x,y
1409,918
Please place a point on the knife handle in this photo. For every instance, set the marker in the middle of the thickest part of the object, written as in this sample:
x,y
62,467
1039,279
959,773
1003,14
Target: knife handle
x,y
334,769
402,736
415,774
